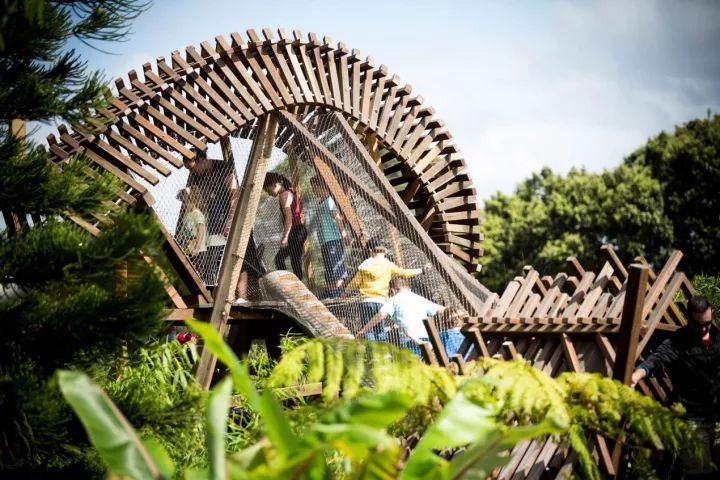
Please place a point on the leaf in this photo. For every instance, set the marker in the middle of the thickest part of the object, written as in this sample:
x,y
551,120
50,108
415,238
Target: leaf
x,y
115,440
160,456
480,458
276,423
378,411
382,465
215,344
277,426
463,422
216,417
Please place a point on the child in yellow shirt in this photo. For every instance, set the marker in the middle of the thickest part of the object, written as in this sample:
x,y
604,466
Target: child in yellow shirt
x,y
372,280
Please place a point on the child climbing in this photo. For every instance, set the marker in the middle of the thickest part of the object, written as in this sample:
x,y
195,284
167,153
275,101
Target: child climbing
x,y
372,280
294,231
331,235
409,309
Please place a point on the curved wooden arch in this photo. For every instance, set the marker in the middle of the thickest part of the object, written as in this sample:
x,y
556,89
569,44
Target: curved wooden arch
x,y
200,97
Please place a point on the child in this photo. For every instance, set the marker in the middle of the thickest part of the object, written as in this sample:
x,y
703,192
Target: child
x,y
373,281
294,232
193,234
331,235
409,310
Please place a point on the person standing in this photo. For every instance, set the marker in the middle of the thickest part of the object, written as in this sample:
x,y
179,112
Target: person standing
x,y
331,236
691,359
216,185
294,231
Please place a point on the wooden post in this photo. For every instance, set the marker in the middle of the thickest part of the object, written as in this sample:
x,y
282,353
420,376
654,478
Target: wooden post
x,y
436,343
14,222
242,224
630,323
629,336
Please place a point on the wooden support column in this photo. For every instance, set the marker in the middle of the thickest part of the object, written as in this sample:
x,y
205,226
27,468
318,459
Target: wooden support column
x,y
630,323
240,229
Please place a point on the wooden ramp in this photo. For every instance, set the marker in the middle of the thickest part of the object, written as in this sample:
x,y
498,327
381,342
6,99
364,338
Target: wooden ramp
x,y
296,301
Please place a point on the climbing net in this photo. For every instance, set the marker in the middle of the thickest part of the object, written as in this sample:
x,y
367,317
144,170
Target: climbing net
x,y
342,211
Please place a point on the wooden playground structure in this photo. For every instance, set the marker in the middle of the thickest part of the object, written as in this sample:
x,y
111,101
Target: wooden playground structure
x,y
406,171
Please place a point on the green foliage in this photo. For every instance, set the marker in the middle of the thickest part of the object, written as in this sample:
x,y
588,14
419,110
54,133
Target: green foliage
x,y
710,288
581,404
158,394
119,446
550,217
41,78
661,197
687,165
349,441
351,367
483,415
67,299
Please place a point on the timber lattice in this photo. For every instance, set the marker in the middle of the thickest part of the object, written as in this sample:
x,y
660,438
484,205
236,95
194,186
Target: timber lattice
x,y
171,111
578,321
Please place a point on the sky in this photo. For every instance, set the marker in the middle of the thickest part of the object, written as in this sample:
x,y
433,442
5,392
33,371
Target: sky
x,y
519,84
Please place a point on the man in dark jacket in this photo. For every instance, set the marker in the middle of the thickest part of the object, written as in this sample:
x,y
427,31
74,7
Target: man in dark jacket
x,y
691,358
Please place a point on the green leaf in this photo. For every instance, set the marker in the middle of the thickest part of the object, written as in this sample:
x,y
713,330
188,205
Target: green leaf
x,y
277,426
115,440
462,422
160,456
216,416
276,423
376,411
481,458
250,457
215,344
381,465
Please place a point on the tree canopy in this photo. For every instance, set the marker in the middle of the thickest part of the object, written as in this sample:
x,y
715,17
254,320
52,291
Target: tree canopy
x,y
551,217
662,197
67,298
687,165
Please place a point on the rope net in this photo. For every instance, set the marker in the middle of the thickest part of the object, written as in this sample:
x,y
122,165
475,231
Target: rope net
x,y
325,216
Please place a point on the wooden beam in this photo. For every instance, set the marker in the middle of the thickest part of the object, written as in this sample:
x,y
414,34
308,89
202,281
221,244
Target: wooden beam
x,y
347,175
630,324
437,344
240,230
406,220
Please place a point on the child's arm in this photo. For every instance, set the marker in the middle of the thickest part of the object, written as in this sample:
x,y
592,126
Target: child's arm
x,y
286,199
396,271
377,318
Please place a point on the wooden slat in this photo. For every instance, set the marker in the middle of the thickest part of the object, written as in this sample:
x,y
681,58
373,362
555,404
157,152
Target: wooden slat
x,y
437,345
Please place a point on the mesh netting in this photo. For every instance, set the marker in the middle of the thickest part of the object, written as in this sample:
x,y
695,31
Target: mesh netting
x,y
318,218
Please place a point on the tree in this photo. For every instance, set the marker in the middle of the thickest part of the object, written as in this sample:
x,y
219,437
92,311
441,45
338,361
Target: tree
x,y
67,299
687,165
550,217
